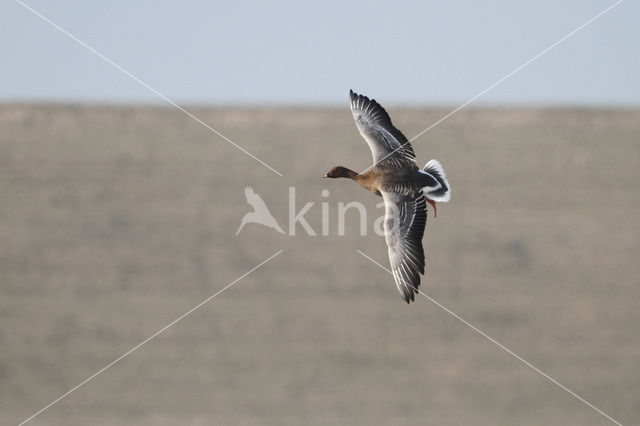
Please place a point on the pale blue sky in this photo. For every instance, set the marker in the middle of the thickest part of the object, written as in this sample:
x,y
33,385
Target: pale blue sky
x,y
283,52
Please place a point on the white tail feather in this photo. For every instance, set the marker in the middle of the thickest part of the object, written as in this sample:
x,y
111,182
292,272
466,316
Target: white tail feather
x,y
442,193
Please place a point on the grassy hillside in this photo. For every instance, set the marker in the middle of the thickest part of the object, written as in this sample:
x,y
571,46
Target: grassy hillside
x,y
115,221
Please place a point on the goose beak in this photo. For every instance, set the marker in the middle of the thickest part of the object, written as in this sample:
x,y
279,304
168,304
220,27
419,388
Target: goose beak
x,y
325,176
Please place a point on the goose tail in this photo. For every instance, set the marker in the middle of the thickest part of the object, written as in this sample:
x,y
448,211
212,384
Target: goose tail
x,y
442,192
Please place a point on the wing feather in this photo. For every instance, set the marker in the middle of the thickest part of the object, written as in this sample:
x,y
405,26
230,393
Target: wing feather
x,y
374,124
404,223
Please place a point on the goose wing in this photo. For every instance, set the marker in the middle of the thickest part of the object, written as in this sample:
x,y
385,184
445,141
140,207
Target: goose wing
x,y
374,124
404,223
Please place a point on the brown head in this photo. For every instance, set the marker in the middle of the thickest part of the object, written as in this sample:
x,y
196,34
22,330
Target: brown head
x,y
341,172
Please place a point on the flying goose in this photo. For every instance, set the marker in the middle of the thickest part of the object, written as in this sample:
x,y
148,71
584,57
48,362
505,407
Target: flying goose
x,y
404,187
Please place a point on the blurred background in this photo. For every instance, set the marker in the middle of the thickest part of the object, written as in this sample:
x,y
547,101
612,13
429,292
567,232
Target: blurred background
x,y
118,213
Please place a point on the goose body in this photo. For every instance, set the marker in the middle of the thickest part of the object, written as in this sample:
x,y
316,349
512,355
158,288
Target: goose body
x,y
404,187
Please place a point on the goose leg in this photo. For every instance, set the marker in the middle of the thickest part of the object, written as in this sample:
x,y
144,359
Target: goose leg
x,y
433,204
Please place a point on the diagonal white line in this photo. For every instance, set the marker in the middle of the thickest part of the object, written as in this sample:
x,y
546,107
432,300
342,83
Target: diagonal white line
x,y
100,55
499,81
501,346
124,355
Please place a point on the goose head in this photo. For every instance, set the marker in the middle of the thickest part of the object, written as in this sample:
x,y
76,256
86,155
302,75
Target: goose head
x,y
340,172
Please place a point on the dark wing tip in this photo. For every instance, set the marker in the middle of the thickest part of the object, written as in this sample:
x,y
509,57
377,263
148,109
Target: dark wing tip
x,y
353,95
371,106
408,294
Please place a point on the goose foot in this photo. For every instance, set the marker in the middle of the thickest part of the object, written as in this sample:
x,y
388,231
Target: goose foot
x,y
433,204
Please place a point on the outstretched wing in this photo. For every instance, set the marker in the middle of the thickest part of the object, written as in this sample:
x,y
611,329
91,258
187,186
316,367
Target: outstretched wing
x,y
375,126
254,200
404,222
